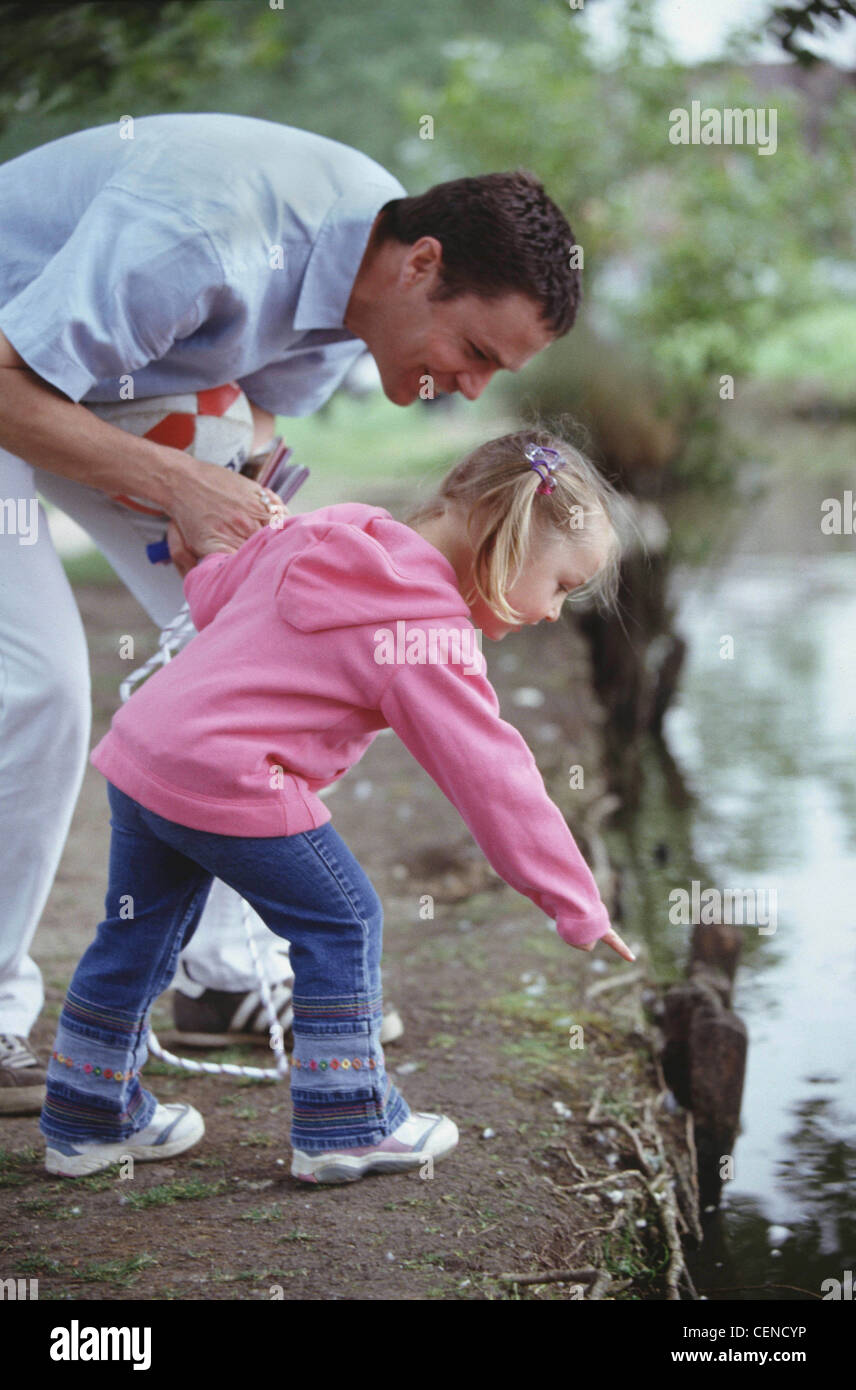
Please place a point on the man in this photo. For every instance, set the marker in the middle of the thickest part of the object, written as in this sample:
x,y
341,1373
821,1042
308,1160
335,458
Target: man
x,y
177,253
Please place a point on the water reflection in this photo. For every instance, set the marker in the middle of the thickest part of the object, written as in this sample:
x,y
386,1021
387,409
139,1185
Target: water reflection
x,y
764,741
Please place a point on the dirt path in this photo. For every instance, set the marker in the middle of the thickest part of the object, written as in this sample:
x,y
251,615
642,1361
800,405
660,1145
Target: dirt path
x,y
488,994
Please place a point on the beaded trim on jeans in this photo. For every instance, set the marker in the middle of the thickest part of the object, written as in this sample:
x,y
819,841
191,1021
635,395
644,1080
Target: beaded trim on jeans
x,y
334,1063
91,1070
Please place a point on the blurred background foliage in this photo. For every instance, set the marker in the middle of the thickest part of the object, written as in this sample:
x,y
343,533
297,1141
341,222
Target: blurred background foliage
x,y
698,262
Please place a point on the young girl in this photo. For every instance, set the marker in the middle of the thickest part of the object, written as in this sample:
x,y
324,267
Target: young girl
x,y
317,633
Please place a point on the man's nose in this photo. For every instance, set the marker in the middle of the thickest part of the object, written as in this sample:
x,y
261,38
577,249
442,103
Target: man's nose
x,y
471,384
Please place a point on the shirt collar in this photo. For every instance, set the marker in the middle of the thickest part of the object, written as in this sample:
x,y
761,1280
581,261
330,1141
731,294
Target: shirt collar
x,y
335,258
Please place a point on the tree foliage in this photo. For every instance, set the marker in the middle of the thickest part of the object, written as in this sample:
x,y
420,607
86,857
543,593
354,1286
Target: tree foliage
x,y
692,252
791,23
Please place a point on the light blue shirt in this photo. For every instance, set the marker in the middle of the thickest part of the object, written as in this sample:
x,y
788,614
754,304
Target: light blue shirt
x,y
206,249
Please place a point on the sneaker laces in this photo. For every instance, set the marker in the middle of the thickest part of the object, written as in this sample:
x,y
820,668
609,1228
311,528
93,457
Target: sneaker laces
x,y
17,1051
252,1003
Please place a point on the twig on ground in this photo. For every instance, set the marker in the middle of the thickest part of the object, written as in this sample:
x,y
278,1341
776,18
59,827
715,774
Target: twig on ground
x,y
563,1149
662,1194
609,1230
677,1267
695,1199
594,1108
647,1166
627,977
551,1276
600,1285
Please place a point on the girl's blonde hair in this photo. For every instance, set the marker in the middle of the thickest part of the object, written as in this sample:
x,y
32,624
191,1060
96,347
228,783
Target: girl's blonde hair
x,y
497,489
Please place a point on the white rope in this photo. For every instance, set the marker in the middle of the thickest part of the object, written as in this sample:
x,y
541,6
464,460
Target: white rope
x,y
172,638
174,635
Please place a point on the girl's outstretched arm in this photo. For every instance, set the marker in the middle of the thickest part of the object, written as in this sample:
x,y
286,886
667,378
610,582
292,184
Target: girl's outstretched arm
x,y
449,719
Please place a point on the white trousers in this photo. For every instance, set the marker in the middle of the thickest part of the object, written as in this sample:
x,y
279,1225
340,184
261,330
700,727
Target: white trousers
x,y
45,719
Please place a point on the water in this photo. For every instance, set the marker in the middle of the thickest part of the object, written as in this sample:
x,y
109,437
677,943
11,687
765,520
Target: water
x,y
763,796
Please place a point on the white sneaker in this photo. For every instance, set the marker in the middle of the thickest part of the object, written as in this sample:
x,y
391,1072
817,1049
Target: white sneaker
x,y
22,1077
173,1129
421,1136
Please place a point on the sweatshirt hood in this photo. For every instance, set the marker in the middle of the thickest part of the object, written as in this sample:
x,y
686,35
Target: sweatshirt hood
x,y
362,566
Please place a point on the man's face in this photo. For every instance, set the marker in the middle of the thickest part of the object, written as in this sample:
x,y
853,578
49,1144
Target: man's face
x,y
457,343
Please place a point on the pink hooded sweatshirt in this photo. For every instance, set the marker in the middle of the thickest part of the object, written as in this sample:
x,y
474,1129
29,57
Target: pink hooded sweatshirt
x,y
311,639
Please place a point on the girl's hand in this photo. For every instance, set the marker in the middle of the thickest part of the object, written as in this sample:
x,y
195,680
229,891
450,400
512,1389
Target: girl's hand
x,y
611,938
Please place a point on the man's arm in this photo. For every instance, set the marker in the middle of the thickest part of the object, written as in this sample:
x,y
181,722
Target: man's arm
x,y
133,276
212,507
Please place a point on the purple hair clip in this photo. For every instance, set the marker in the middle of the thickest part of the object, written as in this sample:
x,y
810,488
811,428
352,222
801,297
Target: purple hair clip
x,y
548,460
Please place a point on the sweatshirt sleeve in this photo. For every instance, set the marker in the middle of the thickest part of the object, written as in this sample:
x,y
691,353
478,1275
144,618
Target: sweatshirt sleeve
x,y
213,581
450,721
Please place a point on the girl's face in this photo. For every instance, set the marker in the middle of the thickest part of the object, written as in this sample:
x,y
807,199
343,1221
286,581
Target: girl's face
x,y
556,565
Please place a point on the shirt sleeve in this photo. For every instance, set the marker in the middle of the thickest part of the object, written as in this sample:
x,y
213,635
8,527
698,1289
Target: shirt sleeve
x,y
450,722
133,277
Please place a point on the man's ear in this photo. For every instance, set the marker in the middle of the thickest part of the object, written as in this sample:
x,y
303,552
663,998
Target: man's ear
x,y
422,261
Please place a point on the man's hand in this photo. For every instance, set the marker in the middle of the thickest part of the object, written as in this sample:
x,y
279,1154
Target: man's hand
x,y
213,508
181,556
216,509
184,558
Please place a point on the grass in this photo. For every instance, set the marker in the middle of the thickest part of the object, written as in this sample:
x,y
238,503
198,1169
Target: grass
x,y
181,1190
355,447
626,1257
428,1261
96,1182
274,1213
120,1273
16,1166
258,1139
89,568
260,1276
49,1207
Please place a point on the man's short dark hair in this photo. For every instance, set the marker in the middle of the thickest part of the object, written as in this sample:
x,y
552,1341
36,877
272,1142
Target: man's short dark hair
x,y
500,234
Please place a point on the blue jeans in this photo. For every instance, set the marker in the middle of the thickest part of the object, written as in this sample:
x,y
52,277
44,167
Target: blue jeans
x,y
309,889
